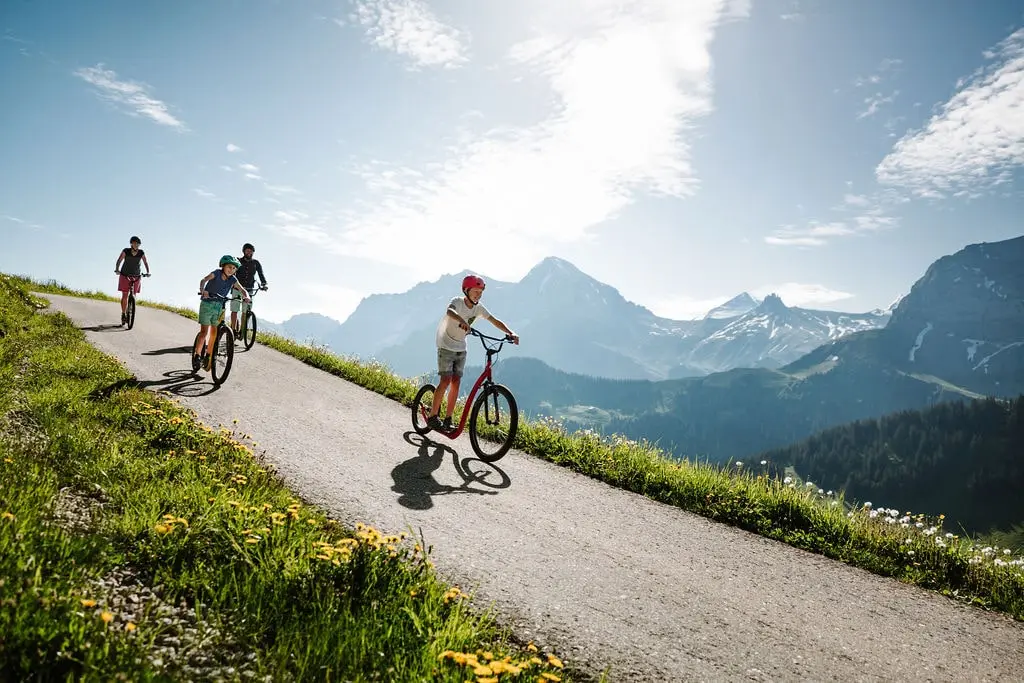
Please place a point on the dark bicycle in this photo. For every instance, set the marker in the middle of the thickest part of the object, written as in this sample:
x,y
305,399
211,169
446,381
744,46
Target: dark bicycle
x,y
248,325
496,406
129,311
218,362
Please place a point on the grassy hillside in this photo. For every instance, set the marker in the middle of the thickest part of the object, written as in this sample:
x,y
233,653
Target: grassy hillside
x,y
138,544
746,495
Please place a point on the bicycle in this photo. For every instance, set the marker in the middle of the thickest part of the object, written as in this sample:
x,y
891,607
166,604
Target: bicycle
x,y
129,311
248,324
219,361
502,427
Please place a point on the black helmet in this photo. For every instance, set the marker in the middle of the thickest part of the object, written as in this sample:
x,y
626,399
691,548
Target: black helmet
x,y
134,239
248,246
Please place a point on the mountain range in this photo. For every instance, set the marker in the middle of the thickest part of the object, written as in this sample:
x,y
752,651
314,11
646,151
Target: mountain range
x,y
958,334
574,323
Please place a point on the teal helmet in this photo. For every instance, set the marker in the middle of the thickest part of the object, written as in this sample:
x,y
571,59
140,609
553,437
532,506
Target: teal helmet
x,y
228,259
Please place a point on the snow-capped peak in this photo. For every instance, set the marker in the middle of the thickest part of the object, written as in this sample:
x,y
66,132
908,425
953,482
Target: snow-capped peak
x,y
733,308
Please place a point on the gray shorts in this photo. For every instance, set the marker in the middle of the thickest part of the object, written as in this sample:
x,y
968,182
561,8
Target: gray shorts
x,y
450,363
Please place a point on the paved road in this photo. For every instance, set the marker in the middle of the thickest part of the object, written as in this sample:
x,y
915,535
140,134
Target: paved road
x,y
607,577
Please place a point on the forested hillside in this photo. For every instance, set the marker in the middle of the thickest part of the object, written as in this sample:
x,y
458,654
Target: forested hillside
x,y
961,459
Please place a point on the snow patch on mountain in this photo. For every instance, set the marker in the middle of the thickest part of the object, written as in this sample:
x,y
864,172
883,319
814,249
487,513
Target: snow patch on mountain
x,y
919,341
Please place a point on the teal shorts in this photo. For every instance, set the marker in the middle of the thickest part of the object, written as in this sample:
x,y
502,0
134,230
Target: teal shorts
x,y
209,312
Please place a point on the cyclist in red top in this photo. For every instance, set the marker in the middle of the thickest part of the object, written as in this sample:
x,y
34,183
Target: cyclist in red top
x,y
131,256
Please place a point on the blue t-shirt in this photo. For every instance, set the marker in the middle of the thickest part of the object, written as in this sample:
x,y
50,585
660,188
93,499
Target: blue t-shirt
x,y
218,286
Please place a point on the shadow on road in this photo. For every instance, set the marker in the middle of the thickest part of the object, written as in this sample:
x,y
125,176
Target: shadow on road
x,y
102,328
414,478
172,349
177,382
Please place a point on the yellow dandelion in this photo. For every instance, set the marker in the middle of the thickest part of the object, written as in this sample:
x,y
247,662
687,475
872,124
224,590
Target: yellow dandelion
x,y
7,515
163,528
88,602
530,647
252,540
487,679
8,460
130,626
210,500
107,617
555,661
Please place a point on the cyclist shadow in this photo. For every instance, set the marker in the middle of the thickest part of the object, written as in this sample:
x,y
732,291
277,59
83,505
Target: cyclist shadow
x,y
177,382
170,349
103,328
414,478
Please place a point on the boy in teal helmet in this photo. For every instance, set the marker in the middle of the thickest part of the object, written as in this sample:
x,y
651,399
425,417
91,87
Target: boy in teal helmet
x,y
214,288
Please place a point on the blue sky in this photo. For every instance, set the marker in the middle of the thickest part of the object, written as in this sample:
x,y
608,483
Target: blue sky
x,y
681,152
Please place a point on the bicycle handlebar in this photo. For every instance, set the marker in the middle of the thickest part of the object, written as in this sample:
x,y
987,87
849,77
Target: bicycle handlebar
x,y
219,297
477,333
484,338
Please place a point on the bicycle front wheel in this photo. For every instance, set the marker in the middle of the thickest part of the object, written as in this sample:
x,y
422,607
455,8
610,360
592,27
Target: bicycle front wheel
x,y
222,354
249,330
493,422
421,406
129,312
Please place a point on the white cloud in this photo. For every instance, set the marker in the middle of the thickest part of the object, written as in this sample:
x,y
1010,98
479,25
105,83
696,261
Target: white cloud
x,y
875,102
233,147
251,168
227,168
814,235
975,139
629,81
133,96
410,28
281,189
857,215
886,68
206,194
800,294
253,176
686,308
13,219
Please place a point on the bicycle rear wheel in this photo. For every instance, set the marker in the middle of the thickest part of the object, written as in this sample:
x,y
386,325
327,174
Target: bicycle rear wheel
x,y
493,423
222,354
421,406
249,330
197,361
129,312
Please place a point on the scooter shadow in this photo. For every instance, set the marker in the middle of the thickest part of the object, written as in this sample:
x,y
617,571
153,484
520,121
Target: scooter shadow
x,y
414,478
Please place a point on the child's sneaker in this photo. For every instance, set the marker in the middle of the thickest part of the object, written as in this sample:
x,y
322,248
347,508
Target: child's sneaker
x,y
434,422
447,424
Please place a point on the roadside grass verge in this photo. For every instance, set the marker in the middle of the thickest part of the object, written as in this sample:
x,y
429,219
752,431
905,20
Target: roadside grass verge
x,y
909,547
138,544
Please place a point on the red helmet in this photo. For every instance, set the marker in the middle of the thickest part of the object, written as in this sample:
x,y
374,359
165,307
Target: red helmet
x,y
471,281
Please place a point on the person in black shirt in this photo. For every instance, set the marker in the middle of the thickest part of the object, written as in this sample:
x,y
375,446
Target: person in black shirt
x,y
132,256
246,275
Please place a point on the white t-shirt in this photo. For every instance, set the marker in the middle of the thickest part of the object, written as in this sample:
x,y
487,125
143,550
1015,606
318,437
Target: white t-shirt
x,y
449,335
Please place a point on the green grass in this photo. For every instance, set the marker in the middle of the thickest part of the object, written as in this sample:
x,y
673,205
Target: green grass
x,y
910,548
281,590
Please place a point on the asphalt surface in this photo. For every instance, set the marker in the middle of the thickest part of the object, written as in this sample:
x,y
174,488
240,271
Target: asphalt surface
x,y
608,578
